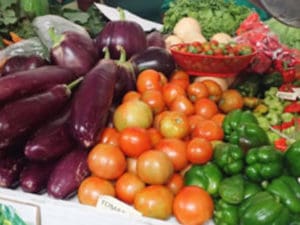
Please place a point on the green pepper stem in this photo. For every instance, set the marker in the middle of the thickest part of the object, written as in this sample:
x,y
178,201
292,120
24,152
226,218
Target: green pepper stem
x,y
106,52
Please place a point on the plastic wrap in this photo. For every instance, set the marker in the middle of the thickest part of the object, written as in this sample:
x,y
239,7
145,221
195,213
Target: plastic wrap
x,y
42,24
26,47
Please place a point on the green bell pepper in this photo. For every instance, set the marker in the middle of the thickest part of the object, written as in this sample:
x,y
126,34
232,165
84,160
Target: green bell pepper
x,y
234,118
287,189
263,209
263,163
34,8
249,86
251,188
229,157
242,128
207,176
225,213
231,189
292,159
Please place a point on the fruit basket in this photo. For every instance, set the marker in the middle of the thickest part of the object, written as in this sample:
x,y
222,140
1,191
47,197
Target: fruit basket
x,y
217,65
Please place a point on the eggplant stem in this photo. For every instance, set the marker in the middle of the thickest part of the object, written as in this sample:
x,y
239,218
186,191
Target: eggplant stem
x,y
122,53
121,13
74,83
106,52
55,38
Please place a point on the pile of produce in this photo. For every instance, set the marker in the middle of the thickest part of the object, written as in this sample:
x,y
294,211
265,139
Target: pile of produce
x,y
112,114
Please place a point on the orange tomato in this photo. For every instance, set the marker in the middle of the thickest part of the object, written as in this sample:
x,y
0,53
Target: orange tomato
x,y
218,118
197,90
231,99
176,183
133,141
193,120
110,136
131,165
91,188
127,186
206,108
154,167
154,99
170,91
149,79
193,205
181,78
173,124
182,104
106,161
199,151
214,89
175,150
155,135
131,95
209,130
154,201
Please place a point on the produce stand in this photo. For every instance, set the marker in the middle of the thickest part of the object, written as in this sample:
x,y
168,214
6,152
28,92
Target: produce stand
x,y
227,137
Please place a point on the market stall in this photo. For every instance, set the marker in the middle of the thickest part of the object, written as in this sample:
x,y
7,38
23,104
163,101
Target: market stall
x,y
108,118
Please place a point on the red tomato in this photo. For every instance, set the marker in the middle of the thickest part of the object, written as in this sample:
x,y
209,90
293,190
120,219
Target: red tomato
x,y
154,99
182,104
110,136
150,79
154,201
170,91
175,150
199,151
106,161
176,183
206,108
134,141
193,205
127,186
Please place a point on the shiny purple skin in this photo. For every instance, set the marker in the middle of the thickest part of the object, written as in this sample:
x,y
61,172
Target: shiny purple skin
x,y
76,52
34,176
18,118
51,140
68,174
91,103
128,34
29,82
10,169
126,81
156,58
22,63
155,39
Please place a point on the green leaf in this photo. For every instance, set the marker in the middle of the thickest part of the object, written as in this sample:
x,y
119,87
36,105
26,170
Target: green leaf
x,y
9,17
75,16
5,4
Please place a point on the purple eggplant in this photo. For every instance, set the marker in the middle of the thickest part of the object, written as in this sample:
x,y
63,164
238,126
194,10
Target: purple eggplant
x,y
128,34
19,117
21,63
10,169
155,39
156,58
126,77
29,82
34,176
91,102
74,51
51,140
68,174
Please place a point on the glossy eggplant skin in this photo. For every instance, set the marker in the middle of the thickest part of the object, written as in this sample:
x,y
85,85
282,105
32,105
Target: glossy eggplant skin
x,y
91,102
51,140
29,82
155,39
20,117
76,52
21,63
128,34
10,169
156,58
67,174
34,176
